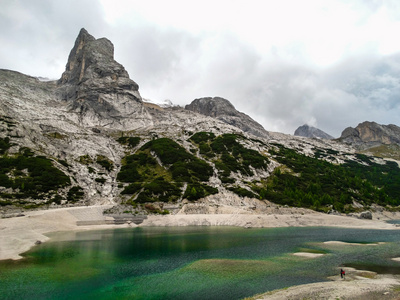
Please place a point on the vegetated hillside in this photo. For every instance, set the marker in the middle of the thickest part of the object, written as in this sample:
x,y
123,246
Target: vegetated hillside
x,y
297,173
318,184
163,170
27,179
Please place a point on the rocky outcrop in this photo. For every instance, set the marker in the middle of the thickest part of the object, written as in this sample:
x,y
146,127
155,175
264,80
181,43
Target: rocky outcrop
x,y
98,88
312,132
371,134
223,110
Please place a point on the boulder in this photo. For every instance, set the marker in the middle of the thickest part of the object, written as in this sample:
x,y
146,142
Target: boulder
x,y
366,215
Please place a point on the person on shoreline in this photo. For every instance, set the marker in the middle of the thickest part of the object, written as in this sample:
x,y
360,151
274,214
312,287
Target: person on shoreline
x,y
342,274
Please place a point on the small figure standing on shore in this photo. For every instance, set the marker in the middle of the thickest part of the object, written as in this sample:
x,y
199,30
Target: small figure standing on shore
x,y
342,273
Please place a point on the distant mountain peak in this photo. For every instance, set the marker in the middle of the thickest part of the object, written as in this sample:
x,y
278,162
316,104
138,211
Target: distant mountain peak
x,y
312,132
223,110
371,134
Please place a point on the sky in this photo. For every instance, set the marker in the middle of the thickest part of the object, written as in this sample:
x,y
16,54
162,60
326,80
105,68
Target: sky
x,y
326,63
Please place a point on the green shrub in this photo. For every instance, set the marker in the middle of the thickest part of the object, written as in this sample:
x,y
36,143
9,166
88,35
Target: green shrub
x,y
104,162
85,159
130,141
57,199
196,191
242,192
75,194
39,175
234,157
4,144
5,202
132,189
56,135
159,190
64,163
183,165
168,151
204,148
200,137
129,173
100,180
132,164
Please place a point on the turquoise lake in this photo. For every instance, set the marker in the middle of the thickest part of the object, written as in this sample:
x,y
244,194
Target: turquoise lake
x,y
189,262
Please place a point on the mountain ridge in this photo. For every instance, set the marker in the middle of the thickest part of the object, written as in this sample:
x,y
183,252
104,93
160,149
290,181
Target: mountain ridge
x,y
100,144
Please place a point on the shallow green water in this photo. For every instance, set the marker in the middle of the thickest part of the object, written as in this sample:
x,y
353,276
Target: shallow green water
x,y
188,262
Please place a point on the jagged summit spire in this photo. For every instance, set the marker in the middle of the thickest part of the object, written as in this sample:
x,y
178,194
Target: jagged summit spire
x,y
97,87
87,52
83,38
91,65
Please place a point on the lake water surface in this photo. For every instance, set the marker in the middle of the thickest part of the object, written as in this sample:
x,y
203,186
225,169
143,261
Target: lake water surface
x,y
189,262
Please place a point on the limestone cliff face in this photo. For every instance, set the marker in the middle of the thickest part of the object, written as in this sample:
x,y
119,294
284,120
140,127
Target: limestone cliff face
x,y
223,110
369,134
311,132
98,88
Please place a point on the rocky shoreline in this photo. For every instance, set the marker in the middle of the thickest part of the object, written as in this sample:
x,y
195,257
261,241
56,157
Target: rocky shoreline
x,y
359,284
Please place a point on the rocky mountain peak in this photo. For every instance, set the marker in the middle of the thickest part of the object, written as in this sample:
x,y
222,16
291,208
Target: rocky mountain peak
x,y
223,110
370,134
99,88
212,107
311,132
74,65
91,65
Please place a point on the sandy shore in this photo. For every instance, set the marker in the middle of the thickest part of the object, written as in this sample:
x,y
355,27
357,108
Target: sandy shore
x,y
265,220
19,234
358,285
